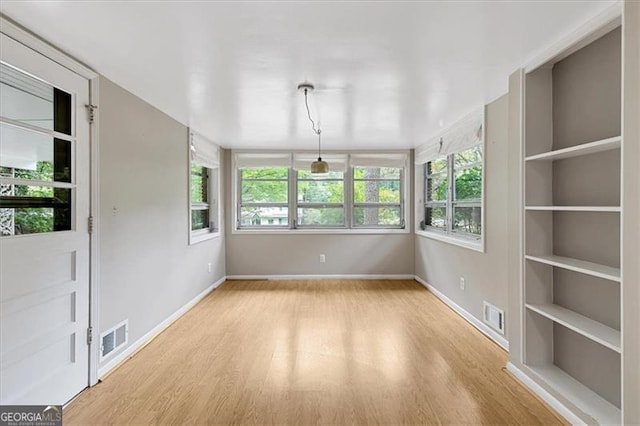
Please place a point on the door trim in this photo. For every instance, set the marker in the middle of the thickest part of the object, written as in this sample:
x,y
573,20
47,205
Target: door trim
x,y
39,45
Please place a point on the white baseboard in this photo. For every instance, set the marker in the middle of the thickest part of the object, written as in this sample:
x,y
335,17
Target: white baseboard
x,y
148,337
545,396
499,339
324,276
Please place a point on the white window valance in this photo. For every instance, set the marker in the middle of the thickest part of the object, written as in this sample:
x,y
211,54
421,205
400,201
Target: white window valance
x,y
463,134
203,151
337,162
246,160
393,159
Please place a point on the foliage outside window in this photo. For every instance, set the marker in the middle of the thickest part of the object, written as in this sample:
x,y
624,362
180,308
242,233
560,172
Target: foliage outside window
x,y
264,197
377,197
320,200
291,197
453,193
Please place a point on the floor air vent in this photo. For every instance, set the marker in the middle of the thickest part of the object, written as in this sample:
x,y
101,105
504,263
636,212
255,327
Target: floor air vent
x,y
113,339
494,317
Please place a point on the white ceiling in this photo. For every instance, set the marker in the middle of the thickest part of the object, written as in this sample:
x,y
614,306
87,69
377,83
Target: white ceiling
x,y
388,74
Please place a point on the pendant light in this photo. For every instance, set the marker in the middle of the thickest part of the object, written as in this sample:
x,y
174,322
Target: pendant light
x,y
318,167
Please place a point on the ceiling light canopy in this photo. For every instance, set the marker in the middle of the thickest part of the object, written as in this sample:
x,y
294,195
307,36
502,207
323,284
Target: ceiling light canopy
x,y
318,167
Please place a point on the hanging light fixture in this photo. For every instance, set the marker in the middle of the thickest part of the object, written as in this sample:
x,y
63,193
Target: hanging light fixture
x,y
319,166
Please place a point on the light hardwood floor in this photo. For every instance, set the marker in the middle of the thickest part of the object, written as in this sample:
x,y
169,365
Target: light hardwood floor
x,y
308,352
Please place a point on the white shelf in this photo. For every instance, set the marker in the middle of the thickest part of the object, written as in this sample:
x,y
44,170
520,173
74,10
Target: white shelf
x,y
582,266
578,150
589,328
611,209
600,409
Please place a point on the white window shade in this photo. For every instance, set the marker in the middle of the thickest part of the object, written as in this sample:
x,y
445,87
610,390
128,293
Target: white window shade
x,y
337,162
251,160
204,152
462,135
393,159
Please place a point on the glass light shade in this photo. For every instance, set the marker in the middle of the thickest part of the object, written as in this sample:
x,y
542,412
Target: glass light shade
x,y
319,167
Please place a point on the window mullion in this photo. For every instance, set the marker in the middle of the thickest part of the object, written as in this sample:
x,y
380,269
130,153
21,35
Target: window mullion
x,y
293,198
450,192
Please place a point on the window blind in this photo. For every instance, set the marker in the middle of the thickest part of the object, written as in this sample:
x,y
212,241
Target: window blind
x,y
394,159
247,160
204,152
337,162
463,134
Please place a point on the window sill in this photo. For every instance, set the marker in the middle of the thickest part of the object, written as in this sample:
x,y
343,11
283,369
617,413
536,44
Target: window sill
x,y
198,236
461,241
316,231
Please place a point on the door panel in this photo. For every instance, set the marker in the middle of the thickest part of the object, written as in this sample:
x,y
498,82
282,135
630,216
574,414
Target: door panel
x,y
44,247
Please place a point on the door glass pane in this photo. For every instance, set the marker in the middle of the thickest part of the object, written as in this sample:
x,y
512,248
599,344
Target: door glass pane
x,y
34,209
34,102
29,155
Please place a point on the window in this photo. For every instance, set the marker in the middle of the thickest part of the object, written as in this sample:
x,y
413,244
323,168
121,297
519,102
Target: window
x,y
320,200
453,184
277,191
453,193
204,175
262,191
378,190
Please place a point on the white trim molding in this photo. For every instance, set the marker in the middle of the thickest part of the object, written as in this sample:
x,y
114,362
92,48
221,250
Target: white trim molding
x,y
323,277
544,395
33,41
485,329
154,332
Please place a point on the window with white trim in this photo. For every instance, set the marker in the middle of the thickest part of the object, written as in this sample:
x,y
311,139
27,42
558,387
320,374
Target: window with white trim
x,y
320,200
278,191
452,166
204,189
378,190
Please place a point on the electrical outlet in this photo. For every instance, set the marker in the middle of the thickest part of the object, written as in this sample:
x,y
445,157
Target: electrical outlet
x,y
463,284
209,266
322,258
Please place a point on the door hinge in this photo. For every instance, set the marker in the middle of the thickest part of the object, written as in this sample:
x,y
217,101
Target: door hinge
x,y
91,111
90,224
89,335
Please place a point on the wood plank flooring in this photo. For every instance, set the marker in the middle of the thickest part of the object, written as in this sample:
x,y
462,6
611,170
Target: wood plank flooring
x,y
314,352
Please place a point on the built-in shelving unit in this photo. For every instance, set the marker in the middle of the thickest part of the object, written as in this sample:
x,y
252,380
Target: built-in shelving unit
x,y
582,266
583,397
578,150
572,226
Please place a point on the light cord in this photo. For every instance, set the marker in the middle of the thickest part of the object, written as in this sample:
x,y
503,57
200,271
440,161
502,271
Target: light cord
x,y
313,124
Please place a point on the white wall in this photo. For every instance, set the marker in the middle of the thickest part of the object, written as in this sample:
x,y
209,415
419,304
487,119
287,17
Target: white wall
x,y
442,264
349,254
147,269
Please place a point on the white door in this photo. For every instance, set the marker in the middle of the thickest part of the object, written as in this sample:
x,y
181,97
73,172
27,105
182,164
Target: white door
x,y
44,246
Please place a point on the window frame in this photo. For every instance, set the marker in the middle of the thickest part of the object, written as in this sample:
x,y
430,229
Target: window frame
x,y
449,235
239,204
400,204
311,205
293,226
214,177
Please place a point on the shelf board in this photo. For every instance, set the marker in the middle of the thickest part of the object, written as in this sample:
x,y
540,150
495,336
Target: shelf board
x,y
611,209
600,409
578,150
582,266
589,328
